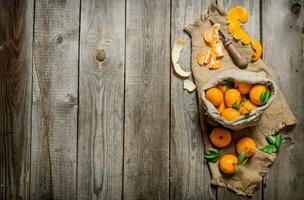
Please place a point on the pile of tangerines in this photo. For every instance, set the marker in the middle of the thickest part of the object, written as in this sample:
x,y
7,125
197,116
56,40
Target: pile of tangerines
x,y
228,163
245,148
233,98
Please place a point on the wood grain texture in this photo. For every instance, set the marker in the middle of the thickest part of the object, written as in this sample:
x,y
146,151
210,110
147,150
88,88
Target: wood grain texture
x,y
283,40
189,174
16,34
253,28
54,114
146,159
101,100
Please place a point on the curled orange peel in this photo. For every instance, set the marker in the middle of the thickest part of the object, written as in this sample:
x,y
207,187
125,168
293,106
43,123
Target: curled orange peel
x,y
256,46
238,15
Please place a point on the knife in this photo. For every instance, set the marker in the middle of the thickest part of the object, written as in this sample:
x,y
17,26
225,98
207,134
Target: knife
x,y
237,58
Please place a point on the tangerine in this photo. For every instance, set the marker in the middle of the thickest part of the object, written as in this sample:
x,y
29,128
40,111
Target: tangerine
x,y
223,88
230,114
256,92
232,96
228,163
244,88
221,107
220,137
215,96
246,107
246,145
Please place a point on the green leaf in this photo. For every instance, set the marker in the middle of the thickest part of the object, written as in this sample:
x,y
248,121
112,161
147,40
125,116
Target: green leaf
x,y
235,106
268,84
214,151
214,160
242,158
227,82
211,155
278,140
221,151
270,139
270,148
244,99
265,96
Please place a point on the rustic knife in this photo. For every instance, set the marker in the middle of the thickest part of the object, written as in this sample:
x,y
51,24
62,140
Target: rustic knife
x,y
237,58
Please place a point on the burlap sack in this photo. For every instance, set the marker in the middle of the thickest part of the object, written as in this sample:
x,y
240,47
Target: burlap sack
x,y
247,178
253,117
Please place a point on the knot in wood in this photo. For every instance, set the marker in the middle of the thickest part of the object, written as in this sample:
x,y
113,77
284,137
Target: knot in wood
x,y
296,8
100,55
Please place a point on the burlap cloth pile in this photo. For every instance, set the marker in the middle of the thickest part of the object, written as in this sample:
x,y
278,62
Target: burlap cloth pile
x,y
247,178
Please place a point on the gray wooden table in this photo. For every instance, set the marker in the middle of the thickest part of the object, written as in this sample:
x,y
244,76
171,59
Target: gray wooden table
x,y
74,128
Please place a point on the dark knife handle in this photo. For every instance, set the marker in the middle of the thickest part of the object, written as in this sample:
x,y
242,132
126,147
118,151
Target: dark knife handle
x,y
238,59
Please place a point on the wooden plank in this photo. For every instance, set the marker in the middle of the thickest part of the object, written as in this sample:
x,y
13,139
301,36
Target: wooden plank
x,y
146,160
253,28
16,35
283,50
189,175
54,114
101,100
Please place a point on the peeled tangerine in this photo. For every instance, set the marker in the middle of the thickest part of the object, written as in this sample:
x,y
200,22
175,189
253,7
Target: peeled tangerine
x,y
234,17
205,57
246,107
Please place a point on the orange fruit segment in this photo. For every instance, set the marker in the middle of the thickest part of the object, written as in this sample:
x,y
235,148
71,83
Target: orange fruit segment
x,y
218,50
246,145
201,57
232,96
244,88
220,137
208,58
246,107
215,96
214,64
256,92
228,163
230,114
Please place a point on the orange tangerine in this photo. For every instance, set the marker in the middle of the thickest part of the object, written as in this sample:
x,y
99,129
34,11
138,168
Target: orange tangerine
x,y
246,145
221,107
228,163
244,88
246,107
232,96
256,92
223,88
215,96
220,137
230,114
